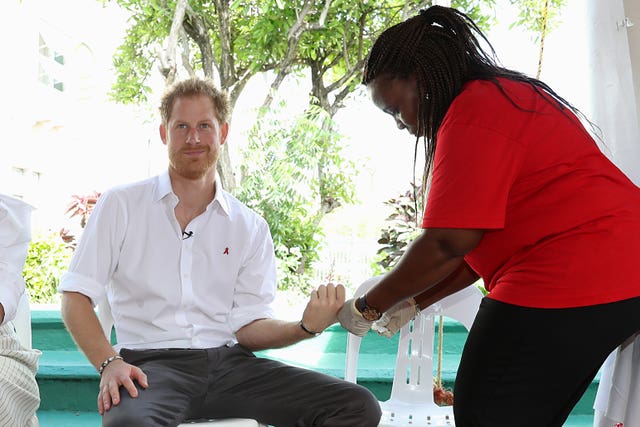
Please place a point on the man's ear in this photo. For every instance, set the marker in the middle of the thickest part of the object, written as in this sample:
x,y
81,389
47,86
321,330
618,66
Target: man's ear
x,y
163,134
224,131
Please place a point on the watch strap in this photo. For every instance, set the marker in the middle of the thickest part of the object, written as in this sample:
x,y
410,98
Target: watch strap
x,y
367,312
310,332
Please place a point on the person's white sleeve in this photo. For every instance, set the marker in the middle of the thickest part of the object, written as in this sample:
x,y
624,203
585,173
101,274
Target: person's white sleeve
x,y
11,291
256,284
15,236
95,258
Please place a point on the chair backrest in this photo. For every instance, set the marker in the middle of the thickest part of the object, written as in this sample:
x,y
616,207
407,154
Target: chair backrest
x,y
413,376
22,321
413,379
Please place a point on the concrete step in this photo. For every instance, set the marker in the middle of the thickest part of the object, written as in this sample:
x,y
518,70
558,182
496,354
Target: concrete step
x,y
69,418
69,384
93,419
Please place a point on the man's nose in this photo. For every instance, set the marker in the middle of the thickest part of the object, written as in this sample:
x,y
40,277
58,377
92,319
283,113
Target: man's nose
x,y
193,137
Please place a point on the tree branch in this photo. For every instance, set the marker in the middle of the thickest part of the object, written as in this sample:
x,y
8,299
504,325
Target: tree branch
x,y
227,71
295,32
196,28
168,62
185,51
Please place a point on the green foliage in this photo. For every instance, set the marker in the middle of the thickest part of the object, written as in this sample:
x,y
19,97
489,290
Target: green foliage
x,y
287,183
532,15
476,10
47,259
247,37
292,172
403,226
260,33
135,57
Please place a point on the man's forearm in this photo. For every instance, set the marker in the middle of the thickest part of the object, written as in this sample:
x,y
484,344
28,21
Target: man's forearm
x,y
270,333
84,326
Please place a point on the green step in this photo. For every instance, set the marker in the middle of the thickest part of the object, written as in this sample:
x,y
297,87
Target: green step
x,y
68,383
92,419
69,418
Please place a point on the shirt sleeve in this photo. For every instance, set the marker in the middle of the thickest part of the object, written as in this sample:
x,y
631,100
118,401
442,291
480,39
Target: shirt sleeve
x,y
474,169
15,236
256,284
96,256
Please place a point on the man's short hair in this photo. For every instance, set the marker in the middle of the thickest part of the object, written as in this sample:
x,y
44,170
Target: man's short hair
x,y
195,86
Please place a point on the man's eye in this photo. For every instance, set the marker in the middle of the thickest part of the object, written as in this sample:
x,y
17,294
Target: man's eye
x,y
181,126
205,126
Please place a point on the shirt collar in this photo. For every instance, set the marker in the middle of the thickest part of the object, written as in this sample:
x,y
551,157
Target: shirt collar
x,y
164,189
221,197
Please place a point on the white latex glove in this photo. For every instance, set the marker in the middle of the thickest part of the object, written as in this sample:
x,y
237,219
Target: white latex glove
x,y
351,319
395,318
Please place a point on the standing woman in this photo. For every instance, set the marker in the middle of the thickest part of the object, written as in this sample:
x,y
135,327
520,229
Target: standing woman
x,y
521,196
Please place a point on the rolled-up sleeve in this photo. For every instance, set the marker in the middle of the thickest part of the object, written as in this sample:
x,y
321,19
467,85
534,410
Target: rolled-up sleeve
x,y
96,256
10,292
256,284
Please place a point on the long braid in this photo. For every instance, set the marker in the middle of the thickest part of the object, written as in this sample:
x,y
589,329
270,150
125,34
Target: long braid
x,y
442,48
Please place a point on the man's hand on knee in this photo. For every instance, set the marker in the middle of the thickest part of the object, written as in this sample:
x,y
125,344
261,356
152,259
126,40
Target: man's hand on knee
x,y
118,373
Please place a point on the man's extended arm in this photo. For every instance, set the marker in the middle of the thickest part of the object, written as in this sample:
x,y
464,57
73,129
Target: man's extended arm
x,y
320,312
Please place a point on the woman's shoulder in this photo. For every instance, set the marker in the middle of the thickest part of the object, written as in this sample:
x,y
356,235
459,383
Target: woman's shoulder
x,y
496,90
488,100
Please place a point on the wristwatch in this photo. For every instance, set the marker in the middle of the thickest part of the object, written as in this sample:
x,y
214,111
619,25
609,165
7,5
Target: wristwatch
x,y
368,313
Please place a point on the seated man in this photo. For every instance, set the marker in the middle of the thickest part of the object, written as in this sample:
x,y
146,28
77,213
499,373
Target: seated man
x,y
19,394
189,273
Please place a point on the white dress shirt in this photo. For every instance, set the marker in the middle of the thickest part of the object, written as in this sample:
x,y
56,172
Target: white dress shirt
x,y
166,289
15,235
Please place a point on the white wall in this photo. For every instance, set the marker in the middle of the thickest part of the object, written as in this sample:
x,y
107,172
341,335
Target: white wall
x,y
614,72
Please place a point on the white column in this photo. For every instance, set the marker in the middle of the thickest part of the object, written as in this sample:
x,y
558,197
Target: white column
x,y
614,68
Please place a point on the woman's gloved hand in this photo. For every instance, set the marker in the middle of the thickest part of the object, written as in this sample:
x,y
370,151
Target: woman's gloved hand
x,y
396,317
351,319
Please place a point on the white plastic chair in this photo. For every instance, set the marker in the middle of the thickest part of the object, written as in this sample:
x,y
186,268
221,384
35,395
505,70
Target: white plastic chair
x,y
411,402
106,321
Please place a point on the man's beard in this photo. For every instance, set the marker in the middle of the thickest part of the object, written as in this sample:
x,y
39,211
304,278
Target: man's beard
x,y
193,168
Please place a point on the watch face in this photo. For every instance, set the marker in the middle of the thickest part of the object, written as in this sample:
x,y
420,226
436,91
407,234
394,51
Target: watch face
x,y
371,314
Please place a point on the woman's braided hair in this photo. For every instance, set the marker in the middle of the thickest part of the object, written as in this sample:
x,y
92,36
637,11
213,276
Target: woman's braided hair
x,y
441,47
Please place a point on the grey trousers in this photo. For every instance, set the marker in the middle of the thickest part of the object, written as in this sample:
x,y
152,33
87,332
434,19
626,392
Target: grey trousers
x,y
231,382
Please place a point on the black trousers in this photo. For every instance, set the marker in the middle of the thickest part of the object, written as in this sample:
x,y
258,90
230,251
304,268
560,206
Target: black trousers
x,y
527,367
230,382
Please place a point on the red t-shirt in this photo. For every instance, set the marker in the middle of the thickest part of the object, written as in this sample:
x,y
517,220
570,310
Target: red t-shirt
x,y
562,223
